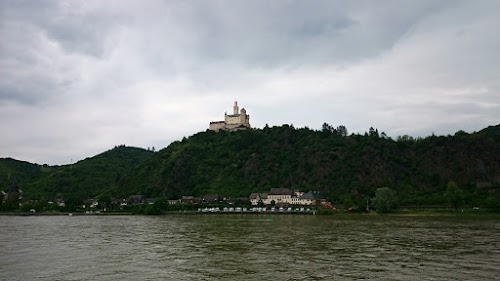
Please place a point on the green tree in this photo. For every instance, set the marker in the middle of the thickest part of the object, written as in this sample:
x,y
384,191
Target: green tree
x,y
385,200
151,210
454,195
373,132
160,204
104,201
26,207
327,128
54,207
492,203
342,130
72,203
347,201
9,205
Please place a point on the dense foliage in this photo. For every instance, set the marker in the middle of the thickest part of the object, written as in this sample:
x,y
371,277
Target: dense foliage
x,y
12,170
454,195
87,178
347,169
385,200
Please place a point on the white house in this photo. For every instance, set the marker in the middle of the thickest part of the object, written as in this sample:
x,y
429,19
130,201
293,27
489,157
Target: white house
x,y
283,196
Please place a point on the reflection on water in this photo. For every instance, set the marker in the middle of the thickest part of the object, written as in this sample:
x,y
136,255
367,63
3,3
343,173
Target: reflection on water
x,y
248,247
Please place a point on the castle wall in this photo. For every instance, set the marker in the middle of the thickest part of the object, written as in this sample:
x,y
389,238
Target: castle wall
x,y
216,126
232,120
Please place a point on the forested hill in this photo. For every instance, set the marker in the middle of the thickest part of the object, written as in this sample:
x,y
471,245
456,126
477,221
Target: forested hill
x,y
85,179
12,170
343,167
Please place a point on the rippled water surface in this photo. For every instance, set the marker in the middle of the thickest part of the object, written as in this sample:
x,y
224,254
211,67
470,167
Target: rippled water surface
x,y
248,247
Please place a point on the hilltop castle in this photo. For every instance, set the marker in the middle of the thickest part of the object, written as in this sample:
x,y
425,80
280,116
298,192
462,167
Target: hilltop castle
x,y
236,121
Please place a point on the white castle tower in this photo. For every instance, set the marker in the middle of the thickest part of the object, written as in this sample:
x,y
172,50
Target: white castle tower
x,y
236,121
235,108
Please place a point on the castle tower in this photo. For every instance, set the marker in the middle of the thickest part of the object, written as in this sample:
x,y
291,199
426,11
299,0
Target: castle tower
x,y
235,108
244,117
236,121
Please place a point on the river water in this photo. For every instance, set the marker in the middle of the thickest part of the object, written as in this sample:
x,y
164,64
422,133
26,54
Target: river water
x,y
248,247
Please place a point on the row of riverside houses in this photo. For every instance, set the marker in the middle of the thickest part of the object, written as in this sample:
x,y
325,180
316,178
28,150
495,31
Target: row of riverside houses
x,y
276,196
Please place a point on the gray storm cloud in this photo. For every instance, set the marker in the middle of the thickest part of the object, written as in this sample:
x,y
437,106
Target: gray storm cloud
x,y
78,77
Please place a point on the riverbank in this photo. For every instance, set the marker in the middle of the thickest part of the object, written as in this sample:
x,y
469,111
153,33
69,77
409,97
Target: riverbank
x,y
444,213
24,214
399,213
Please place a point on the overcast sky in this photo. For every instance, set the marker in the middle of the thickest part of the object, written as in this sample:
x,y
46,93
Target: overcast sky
x,y
79,77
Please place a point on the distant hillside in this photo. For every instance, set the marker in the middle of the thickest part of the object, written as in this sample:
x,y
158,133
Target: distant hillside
x,y
345,168
12,170
492,131
84,179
